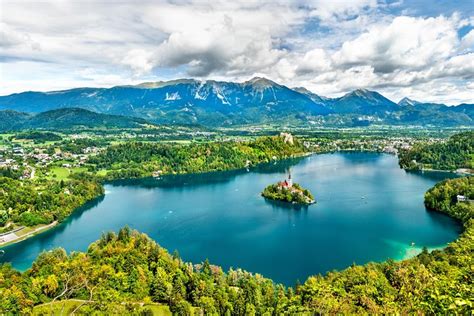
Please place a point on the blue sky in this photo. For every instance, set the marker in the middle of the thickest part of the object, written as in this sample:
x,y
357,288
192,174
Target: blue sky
x,y
420,49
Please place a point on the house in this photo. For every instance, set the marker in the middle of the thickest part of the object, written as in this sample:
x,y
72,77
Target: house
x,y
18,151
6,162
462,198
157,173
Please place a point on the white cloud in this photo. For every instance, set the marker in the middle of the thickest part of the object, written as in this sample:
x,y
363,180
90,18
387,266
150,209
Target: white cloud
x,y
436,91
406,42
221,38
467,42
460,66
407,52
327,10
139,60
330,47
316,60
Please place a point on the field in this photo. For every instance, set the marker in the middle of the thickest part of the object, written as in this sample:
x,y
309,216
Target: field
x,y
62,173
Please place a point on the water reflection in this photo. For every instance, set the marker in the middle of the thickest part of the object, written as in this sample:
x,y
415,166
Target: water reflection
x,y
433,175
280,205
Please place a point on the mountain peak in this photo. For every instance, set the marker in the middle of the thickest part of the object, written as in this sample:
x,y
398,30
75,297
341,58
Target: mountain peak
x,y
361,92
364,94
364,101
407,102
161,84
261,82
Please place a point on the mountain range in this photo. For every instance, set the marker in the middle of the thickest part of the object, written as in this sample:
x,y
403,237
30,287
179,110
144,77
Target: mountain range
x,y
257,101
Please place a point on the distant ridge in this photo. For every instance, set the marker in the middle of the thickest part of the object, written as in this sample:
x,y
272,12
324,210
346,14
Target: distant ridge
x,y
65,118
256,101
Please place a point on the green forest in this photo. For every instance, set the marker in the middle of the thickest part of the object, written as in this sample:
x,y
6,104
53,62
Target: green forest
x,y
126,272
457,152
31,203
443,197
140,159
39,137
296,194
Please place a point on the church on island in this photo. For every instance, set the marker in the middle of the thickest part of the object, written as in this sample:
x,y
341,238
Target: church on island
x,y
288,183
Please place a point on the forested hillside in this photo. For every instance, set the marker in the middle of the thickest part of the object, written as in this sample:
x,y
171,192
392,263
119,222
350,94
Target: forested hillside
x,y
139,159
127,272
443,197
66,118
457,152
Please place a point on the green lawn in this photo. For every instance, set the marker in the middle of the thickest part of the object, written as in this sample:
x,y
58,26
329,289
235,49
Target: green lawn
x,y
62,173
159,310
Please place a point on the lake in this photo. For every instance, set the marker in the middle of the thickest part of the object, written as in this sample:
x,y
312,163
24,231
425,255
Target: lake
x,y
368,209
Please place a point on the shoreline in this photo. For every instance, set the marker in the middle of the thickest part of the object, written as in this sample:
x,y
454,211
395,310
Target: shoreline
x,y
13,237
407,251
413,251
457,171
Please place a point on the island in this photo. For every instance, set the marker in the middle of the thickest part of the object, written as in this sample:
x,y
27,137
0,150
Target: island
x,y
290,192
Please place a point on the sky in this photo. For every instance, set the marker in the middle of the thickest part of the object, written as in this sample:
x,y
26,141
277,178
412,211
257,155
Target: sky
x,y
423,50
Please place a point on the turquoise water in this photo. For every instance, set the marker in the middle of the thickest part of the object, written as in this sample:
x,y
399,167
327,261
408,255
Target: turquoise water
x,y
368,210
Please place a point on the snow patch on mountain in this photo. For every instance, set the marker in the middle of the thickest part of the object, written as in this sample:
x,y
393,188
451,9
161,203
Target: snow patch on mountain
x,y
220,95
172,96
201,94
